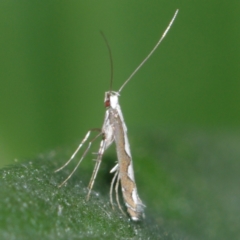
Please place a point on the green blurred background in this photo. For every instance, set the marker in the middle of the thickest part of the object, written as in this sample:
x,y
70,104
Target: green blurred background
x,y
55,68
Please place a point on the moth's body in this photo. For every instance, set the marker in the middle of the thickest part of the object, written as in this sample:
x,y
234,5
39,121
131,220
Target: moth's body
x,y
114,129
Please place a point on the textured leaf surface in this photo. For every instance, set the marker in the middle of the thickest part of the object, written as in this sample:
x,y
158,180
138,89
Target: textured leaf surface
x,y
189,182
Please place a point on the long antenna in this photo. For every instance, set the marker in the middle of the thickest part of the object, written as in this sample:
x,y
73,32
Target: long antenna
x,y
111,60
153,50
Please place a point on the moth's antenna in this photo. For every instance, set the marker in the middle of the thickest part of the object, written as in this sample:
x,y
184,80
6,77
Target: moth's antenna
x,y
111,60
153,50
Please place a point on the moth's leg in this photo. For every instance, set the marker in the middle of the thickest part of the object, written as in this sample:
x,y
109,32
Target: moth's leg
x,y
116,190
96,167
84,154
112,183
80,145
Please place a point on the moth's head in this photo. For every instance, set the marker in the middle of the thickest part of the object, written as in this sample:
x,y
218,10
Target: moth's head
x,y
111,99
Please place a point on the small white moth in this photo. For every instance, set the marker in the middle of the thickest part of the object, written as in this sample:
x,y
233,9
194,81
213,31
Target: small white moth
x,y
114,129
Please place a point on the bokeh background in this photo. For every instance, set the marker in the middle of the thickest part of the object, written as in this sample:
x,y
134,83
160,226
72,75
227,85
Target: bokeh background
x,y
55,68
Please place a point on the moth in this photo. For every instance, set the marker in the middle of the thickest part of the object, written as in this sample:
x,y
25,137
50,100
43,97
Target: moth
x,y
114,130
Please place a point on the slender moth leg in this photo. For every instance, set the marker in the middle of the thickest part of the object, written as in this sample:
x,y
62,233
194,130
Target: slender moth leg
x,y
116,191
78,148
84,154
111,188
96,168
